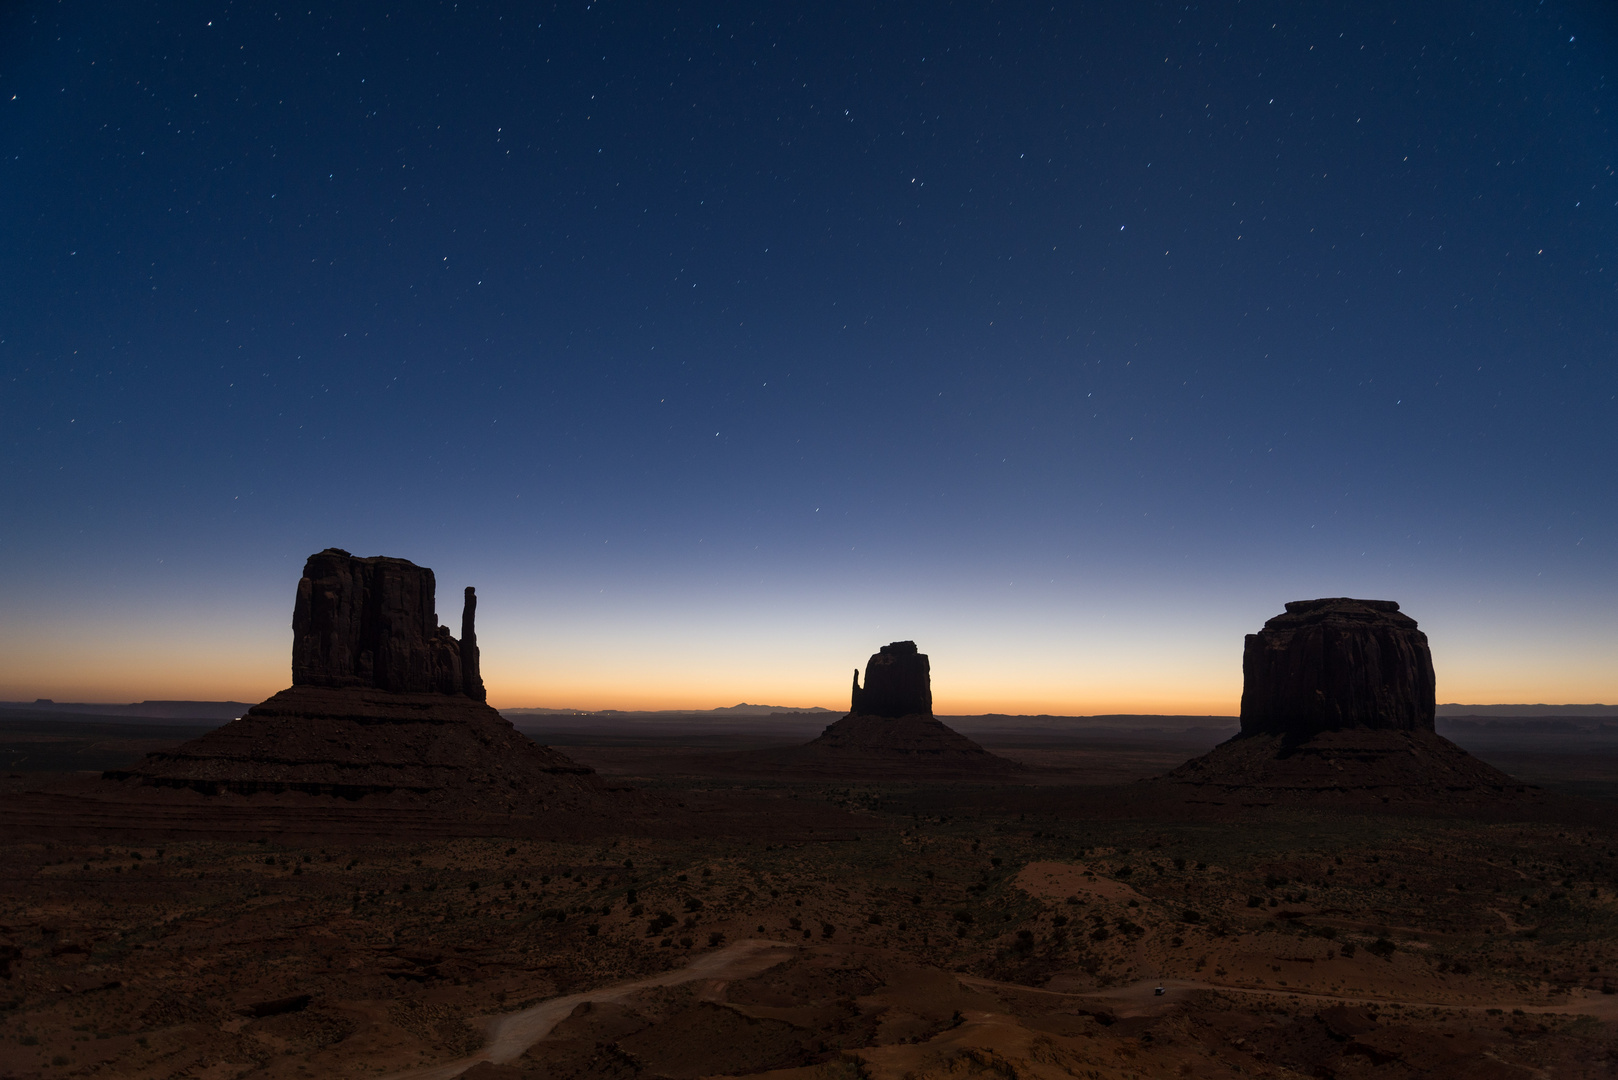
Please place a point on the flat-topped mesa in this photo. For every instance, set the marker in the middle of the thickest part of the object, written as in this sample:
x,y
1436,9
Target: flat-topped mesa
x,y
1334,664
898,682
373,623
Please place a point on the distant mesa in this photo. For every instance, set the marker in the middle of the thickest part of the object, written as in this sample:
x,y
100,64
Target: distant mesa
x,y
1338,701
384,701
890,724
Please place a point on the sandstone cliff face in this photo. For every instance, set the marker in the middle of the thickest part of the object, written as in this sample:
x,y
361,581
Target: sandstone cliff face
x,y
1334,664
898,682
373,623
383,702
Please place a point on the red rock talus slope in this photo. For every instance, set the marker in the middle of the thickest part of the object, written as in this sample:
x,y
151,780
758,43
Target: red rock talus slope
x,y
356,742
1357,765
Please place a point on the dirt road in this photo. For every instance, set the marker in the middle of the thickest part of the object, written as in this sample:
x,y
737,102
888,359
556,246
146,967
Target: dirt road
x,y
510,1035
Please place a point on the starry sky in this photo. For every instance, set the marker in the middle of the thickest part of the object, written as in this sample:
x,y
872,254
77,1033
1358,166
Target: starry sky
x,y
719,344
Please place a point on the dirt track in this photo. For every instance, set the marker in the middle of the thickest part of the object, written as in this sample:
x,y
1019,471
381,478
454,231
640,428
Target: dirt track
x,y
511,1035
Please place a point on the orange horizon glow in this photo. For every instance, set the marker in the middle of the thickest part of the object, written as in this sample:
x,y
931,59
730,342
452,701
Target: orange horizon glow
x,y
131,683
979,666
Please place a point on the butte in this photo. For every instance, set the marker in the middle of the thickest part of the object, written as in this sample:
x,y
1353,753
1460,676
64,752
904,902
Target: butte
x,y
1337,705
384,702
890,730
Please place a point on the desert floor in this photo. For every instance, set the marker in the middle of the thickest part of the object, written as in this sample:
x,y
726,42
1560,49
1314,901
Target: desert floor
x,y
949,931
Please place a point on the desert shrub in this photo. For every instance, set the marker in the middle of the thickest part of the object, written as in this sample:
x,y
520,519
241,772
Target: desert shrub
x,y
510,851
1179,863
1347,950
1381,947
1190,916
1129,927
685,943
660,923
715,939
1123,871
630,897
1255,901
962,916
1059,920
992,862
1100,933
693,904
795,922
1271,881
1327,932
827,929
875,918
593,929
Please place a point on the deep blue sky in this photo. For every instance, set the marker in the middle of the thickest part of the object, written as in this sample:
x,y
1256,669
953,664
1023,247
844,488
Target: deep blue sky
x,y
1073,339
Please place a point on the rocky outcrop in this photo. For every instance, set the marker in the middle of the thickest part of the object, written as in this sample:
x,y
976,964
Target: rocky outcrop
x,y
898,682
1338,663
372,622
890,726
384,701
1337,707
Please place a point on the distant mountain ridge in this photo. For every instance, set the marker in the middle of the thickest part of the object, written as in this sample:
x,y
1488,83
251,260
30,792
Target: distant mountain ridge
x,y
146,710
1527,710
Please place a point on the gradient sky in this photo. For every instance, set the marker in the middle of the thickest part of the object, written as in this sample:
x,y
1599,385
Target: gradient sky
x,y
719,345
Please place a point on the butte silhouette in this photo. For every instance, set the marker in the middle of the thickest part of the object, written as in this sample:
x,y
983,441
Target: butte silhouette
x,y
1338,702
890,727
383,702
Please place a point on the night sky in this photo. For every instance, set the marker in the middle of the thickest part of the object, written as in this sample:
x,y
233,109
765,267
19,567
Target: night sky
x,y
718,345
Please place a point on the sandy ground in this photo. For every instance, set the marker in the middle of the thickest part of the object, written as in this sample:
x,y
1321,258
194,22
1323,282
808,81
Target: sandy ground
x,y
946,933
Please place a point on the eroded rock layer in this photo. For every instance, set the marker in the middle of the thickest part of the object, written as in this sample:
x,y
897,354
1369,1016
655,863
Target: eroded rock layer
x,y
1354,766
1336,663
357,742
373,622
898,682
